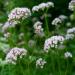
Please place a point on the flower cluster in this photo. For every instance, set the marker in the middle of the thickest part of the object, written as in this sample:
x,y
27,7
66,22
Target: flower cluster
x,y
68,54
40,63
42,6
18,13
62,17
70,33
53,42
15,15
38,28
69,36
59,20
56,21
12,55
8,25
71,30
72,5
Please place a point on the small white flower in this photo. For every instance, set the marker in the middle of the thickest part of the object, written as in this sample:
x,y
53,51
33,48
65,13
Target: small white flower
x,y
38,25
68,54
40,63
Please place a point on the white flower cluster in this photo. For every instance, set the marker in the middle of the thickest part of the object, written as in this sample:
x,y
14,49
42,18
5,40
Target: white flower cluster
x,y
69,36
71,30
56,21
12,55
8,25
72,5
53,42
70,33
15,15
62,17
18,13
40,63
42,6
38,28
68,54
59,20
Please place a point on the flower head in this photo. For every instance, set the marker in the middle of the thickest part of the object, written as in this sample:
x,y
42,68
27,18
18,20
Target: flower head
x,y
12,55
40,63
68,54
72,5
18,13
53,42
56,21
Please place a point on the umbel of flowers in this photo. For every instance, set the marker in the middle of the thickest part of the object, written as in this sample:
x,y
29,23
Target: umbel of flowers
x,y
53,42
42,6
72,5
40,63
70,33
38,30
15,15
19,13
15,52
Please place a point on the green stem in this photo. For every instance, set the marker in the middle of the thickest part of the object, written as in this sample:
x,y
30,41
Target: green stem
x,y
53,65
58,61
46,28
66,68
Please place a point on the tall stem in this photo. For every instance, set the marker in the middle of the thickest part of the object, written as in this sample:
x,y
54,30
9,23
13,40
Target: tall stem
x,y
58,61
46,24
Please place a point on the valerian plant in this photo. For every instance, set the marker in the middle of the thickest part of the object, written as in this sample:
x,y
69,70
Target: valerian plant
x,y
34,42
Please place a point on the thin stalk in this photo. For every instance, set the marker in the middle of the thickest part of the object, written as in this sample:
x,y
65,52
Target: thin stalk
x,y
46,24
67,68
46,28
58,63
53,65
